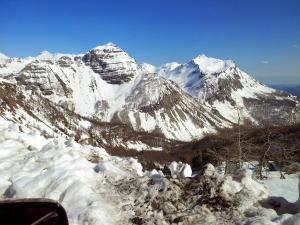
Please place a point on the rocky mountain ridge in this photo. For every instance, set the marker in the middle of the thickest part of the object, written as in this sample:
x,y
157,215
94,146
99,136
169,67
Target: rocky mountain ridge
x,y
107,98
221,85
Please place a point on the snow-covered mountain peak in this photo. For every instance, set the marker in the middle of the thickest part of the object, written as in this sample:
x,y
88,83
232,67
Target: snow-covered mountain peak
x,y
148,68
48,56
209,65
203,63
45,52
106,46
111,50
45,55
3,58
220,84
108,85
112,63
170,66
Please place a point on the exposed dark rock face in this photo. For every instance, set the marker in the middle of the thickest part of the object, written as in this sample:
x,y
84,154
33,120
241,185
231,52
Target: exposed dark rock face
x,y
275,109
65,61
113,64
40,76
34,76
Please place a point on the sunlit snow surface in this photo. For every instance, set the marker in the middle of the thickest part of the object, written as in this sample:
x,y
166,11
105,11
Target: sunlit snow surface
x,y
209,80
287,188
186,102
86,93
31,166
84,179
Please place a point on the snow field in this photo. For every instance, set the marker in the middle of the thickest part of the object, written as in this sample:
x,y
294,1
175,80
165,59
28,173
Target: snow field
x,y
86,181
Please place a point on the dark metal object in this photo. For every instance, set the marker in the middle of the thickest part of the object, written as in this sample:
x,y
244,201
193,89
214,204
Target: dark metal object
x,y
32,212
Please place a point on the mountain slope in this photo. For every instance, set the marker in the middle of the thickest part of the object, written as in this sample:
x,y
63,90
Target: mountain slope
x,y
109,86
106,98
220,84
113,64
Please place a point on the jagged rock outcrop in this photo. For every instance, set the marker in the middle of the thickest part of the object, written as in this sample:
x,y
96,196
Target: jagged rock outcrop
x,y
113,64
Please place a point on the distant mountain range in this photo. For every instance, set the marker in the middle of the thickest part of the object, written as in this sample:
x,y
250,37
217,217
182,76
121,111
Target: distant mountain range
x,y
293,89
106,98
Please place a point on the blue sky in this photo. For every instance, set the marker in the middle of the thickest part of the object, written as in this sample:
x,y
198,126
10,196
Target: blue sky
x,y
262,36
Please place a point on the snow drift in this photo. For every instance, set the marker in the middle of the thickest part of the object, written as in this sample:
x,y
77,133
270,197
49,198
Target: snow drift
x,y
96,188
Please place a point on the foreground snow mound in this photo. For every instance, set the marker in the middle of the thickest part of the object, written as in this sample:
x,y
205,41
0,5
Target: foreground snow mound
x,y
180,170
206,199
79,177
98,189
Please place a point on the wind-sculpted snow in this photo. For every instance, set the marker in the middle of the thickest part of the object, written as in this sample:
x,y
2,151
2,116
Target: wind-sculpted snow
x,y
79,177
96,188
